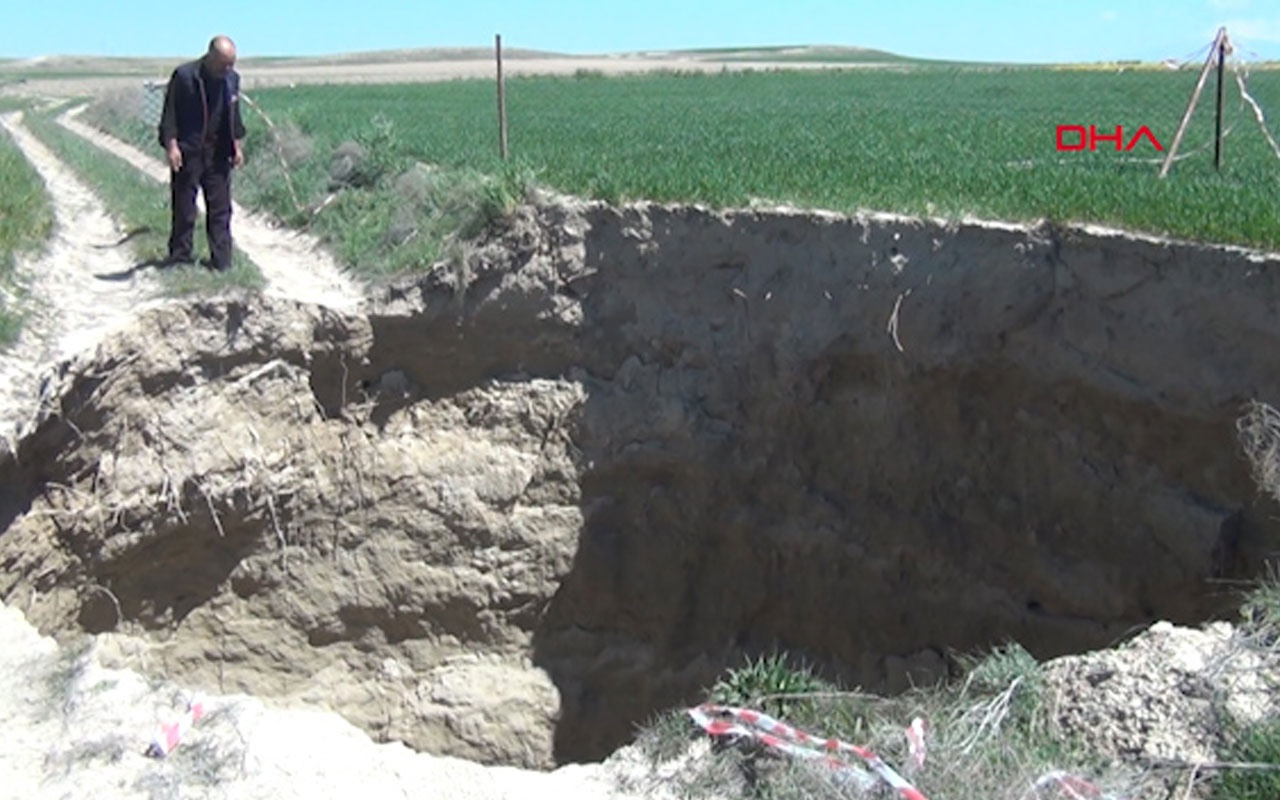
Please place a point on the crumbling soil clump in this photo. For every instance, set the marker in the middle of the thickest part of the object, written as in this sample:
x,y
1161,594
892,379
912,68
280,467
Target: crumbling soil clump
x,y
1171,695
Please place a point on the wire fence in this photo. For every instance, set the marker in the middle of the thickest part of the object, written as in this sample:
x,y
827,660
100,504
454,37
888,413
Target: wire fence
x,y
792,127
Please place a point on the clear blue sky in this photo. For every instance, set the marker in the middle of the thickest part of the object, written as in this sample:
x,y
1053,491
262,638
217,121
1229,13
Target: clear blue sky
x,y
995,30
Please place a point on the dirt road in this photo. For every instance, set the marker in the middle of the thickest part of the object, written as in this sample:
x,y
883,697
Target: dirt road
x,y
80,288
294,264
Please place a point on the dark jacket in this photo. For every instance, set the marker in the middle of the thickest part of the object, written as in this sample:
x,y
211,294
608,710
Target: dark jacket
x,y
186,110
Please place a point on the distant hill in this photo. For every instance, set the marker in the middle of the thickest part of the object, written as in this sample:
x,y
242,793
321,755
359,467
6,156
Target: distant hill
x,y
804,53
397,56
44,66
56,66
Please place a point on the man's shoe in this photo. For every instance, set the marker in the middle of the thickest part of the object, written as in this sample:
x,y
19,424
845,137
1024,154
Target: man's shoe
x,y
213,266
178,261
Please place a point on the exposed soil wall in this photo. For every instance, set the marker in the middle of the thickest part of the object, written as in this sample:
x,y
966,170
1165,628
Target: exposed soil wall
x,y
513,507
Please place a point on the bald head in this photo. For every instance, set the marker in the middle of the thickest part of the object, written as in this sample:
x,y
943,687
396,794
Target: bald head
x,y
221,56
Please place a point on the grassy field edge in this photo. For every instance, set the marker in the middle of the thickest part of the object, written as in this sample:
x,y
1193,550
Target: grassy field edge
x,y
26,220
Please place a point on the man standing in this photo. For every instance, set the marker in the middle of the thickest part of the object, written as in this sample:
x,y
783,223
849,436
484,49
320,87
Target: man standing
x,y
202,133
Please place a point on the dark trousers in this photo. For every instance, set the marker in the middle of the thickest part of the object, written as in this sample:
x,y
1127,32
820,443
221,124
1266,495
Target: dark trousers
x,y
201,171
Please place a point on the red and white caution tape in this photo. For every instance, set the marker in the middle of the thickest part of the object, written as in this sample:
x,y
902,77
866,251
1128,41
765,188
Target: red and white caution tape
x,y
169,734
917,749
725,721
1070,786
779,736
722,727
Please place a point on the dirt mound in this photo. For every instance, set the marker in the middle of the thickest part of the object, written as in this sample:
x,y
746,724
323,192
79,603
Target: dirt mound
x,y
82,729
1169,695
264,540
514,506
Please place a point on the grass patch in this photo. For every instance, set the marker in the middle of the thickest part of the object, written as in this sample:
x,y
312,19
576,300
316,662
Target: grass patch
x,y
771,684
61,682
1256,743
26,219
990,735
131,115
1260,611
10,317
15,103
141,204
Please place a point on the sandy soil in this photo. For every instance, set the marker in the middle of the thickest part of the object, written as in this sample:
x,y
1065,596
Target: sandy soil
x,y
81,728
80,286
293,263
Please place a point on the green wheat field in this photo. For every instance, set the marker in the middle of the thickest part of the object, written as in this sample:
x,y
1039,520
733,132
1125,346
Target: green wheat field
x,y
948,142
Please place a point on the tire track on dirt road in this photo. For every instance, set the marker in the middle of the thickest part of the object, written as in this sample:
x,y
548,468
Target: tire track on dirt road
x,y
294,264
80,289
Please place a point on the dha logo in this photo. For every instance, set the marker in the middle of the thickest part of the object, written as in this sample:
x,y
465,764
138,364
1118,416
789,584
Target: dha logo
x,y
1077,137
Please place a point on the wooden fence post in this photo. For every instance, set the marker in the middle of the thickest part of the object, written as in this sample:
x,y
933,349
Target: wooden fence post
x,y
1217,130
502,100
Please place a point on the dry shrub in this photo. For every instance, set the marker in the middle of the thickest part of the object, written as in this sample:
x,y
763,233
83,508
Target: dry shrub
x,y
124,104
346,166
417,185
294,146
1259,431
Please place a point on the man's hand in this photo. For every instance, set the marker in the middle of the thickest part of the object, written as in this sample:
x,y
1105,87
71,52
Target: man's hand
x,y
175,156
238,158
